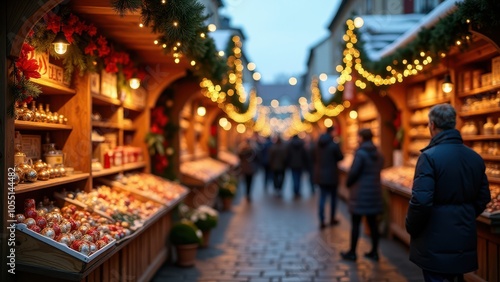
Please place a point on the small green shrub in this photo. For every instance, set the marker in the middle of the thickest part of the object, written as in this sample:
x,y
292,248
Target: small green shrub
x,y
185,232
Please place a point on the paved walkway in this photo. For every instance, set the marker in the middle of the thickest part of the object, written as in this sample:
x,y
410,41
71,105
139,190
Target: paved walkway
x,y
276,239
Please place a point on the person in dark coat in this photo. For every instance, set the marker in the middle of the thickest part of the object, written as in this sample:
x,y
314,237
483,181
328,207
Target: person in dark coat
x,y
450,190
249,164
297,159
365,192
264,159
310,150
277,164
326,174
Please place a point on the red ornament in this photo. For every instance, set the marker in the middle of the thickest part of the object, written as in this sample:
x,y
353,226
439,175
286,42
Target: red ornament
x,y
41,222
48,232
35,228
29,203
31,212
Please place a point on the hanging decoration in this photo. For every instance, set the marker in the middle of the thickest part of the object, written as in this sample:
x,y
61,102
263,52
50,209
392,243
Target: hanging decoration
x,y
23,69
426,50
160,138
182,32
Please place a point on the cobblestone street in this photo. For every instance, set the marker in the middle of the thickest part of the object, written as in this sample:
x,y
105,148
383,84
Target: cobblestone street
x,y
276,239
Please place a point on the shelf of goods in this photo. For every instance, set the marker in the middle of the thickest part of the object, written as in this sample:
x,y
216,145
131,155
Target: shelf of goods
x,y
229,158
202,176
88,233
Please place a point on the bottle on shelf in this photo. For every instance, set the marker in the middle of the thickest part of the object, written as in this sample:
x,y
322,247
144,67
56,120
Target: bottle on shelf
x,y
36,114
43,116
496,128
488,126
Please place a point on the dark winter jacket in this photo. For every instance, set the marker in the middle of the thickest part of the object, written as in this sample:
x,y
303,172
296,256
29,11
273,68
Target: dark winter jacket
x,y
296,154
326,156
450,189
363,180
249,161
277,157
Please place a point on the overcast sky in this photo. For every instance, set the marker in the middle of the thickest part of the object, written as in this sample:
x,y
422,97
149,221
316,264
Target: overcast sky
x,y
279,33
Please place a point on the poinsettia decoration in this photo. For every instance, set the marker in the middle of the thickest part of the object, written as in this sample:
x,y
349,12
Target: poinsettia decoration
x,y
23,69
159,141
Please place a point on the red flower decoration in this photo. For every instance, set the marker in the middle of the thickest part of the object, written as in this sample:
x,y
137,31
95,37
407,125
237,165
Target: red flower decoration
x,y
156,129
53,22
89,50
111,67
91,30
161,162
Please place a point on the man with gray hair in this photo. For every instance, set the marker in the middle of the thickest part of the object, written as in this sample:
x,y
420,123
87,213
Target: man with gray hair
x,y
450,190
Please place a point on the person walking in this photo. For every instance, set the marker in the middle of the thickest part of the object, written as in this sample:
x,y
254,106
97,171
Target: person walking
x,y
249,164
297,159
365,193
310,150
277,164
264,159
325,158
450,190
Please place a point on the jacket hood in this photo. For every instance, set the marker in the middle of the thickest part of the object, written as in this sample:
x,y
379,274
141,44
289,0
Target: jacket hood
x,y
369,148
450,136
324,139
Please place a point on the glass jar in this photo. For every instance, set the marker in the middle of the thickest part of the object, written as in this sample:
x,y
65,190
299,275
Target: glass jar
x,y
19,155
488,126
53,157
496,128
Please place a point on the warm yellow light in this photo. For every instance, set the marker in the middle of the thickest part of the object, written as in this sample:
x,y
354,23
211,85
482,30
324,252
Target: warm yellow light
x,y
134,83
202,35
353,114
175,24
163,1
193,63
164,45
60,43
358,22
141,25
256,76
155,42
221,53
212,27
251,66
259,100
323,77
292,81
447,85
177,60
275,103
223,122
241,128
328,122
201,111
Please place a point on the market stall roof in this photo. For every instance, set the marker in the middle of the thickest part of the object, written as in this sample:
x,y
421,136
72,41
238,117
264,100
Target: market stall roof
x,y
124,31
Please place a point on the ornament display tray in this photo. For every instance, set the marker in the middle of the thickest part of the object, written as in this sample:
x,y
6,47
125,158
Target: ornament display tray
x,y
494,214
35,249
137,223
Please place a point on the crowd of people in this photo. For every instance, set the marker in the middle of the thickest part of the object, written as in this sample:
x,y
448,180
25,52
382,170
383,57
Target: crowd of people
x,y
450,190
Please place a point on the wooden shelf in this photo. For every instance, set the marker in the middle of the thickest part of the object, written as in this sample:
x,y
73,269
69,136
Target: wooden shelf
x,y
129,127
419,122
53,88
133,107
490,157
479,112
493,179
427,103
480,137
31,125
479,90
118,169
104,100
367,118
106,124
420,136
39,184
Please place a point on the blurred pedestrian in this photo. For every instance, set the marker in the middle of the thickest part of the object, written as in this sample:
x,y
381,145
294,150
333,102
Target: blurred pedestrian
x,y
310,150
326,174
365,193
450,190
296,160
277,164
249,164
264,160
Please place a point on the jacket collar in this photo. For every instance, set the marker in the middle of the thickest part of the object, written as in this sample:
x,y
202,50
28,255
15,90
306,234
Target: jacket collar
x,y
449,136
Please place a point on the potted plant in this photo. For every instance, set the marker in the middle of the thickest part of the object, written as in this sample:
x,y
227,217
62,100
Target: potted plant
x,y
204,217
227,191
186,237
